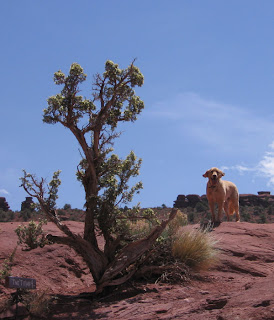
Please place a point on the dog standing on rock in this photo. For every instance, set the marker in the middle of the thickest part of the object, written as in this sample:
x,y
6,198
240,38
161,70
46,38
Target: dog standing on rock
x,y
224,193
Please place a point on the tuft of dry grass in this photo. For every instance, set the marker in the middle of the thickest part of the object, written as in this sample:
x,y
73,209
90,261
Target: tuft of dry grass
x,y
195,248
37,303
140,228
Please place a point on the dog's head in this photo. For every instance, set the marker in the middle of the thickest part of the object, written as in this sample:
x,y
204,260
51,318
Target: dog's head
x,y
214,175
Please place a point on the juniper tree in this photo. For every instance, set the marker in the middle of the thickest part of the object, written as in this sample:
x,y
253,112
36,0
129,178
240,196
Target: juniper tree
x,y
104,176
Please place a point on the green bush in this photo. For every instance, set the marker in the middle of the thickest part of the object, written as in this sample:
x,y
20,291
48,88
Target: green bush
x,y
245,215
26,214
201,206
5,270
174,225
6,216
32,236
67,206
262,218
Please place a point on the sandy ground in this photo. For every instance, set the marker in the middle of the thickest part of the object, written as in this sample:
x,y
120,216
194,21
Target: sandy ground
x,y
240,287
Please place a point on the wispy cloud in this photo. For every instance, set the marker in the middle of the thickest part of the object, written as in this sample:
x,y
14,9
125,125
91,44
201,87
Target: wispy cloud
x,y
266,165
240,168
4,191
216,124
264,168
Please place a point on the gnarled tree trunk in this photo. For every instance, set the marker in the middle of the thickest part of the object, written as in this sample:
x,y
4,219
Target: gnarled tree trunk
x,y
104,273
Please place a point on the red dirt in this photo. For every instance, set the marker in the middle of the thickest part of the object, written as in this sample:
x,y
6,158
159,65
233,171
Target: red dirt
x,y
240,287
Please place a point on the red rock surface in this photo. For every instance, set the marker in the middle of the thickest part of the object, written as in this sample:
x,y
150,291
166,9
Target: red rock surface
x,y
240,287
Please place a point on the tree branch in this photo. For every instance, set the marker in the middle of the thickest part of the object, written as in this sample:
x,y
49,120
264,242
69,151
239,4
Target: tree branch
x,y
129,254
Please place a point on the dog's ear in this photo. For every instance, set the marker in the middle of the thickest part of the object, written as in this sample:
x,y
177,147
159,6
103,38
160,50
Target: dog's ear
x,y
206,174
221,173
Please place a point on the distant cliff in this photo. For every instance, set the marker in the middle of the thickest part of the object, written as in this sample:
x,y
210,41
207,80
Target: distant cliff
x,y
263,198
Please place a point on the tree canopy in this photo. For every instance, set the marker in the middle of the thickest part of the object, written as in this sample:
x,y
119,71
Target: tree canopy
x,y
104,176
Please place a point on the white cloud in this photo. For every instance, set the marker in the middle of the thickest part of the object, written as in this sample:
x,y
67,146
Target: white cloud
x,y
240,168
264,168
3,191
266,165
215,124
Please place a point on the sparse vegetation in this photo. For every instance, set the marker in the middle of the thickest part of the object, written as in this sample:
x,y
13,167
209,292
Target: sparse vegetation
x,y
6,267
32,235
195,248
6,216
37,303
26,214
67,206
104,176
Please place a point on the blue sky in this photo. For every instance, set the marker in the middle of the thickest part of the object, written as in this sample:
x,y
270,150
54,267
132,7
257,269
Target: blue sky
x,y
208,91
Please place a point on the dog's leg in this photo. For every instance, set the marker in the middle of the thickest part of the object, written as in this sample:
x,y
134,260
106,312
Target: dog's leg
x,y
237,213
212,209
226,210
220,210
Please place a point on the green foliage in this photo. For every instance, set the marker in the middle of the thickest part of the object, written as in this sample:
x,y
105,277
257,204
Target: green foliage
x,y
139,229
245,214
179,221
26,214
5,270
258,210
191,216
263,218
103,174
6,216
270,210
201,206
32,236
114,87
67,206
141,222
46,195
196,248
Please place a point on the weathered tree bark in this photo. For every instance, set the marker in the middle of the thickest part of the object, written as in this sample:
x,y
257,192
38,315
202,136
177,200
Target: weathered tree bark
x,y
105,274
130,254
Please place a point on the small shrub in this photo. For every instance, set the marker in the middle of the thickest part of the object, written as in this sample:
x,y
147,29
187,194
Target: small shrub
x,y
5,271
6,216
139,229
245,215
32,236
201,206
67,206
270,210
37,303
196,248
26,214
180,220
262,218
191,216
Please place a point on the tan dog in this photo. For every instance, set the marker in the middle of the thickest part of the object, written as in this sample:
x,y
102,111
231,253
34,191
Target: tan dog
x,y
224,193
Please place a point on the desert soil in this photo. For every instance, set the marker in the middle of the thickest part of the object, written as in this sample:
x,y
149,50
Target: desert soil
x,y
240,287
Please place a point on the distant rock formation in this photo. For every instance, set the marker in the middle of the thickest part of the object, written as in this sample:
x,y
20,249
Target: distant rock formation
x,y
190,200
27,204
264,198
3,204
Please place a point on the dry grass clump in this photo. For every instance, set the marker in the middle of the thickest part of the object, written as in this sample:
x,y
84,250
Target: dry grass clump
x,y
177,251
37,303
196,248
140,228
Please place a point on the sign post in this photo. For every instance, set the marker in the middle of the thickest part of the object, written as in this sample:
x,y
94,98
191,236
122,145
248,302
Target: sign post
x,y
19,283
